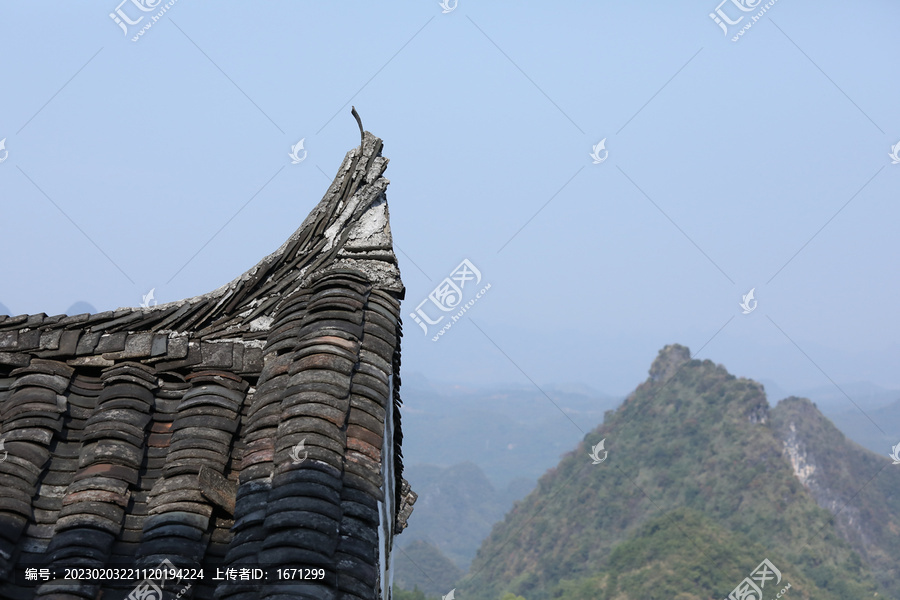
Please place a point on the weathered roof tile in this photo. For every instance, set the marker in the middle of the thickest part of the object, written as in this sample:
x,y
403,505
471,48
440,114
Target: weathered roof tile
x,y
177,431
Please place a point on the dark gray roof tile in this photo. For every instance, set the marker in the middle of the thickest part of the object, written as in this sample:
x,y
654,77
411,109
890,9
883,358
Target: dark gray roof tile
x,y
68,342
358,569
287,555
35,320
149,443
364,484
9,340
159,345
40,436
193,357
29,340
13,359
297,536
87,343
90,361
373,408
364,419
50,339
132,388
74,320
117,321
52,382
359,549
111,342
14,322
86,520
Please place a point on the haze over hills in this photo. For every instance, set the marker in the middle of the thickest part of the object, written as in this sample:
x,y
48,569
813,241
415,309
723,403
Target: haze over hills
x,y
456,509
420,565
844,395
877,429
516,432
510,432
703,482
459,502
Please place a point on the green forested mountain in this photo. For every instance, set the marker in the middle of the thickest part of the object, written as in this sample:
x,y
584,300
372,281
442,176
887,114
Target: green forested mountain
x,y
701,483
456,508
859,487
422,566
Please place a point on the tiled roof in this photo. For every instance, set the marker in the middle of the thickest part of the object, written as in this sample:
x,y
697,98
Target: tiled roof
x,y
254,426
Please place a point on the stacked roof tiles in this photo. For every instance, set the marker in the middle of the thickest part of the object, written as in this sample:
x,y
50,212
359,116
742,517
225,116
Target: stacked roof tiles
x,y
255,428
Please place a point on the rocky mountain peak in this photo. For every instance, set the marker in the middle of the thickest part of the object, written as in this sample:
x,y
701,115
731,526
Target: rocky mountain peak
x,y
668,361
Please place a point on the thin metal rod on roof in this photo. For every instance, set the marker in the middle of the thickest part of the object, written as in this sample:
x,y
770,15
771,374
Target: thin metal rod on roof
x,y
362,134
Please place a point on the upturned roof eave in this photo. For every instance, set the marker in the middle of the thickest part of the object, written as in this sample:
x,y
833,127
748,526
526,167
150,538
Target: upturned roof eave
x,y
235,307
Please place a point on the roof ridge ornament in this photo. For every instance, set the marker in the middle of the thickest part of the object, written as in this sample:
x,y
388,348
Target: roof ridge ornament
x,y
362,133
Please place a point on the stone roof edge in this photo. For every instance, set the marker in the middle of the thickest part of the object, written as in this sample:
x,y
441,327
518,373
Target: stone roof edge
x,y
370,193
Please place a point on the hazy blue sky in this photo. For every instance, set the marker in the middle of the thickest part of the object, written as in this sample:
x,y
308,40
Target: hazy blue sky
x,y
761,163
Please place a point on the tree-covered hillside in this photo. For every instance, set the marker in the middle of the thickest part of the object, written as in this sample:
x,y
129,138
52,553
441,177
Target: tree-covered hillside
x,y
697,468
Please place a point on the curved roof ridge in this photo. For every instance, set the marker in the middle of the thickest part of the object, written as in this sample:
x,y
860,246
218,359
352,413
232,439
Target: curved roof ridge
x,y
338,233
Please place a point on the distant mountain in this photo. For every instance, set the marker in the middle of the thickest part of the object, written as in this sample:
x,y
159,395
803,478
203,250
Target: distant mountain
x,y
701,483
860,488
80,308
456,508
422,566
510,432
876,429
515,431
866,413
843,396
